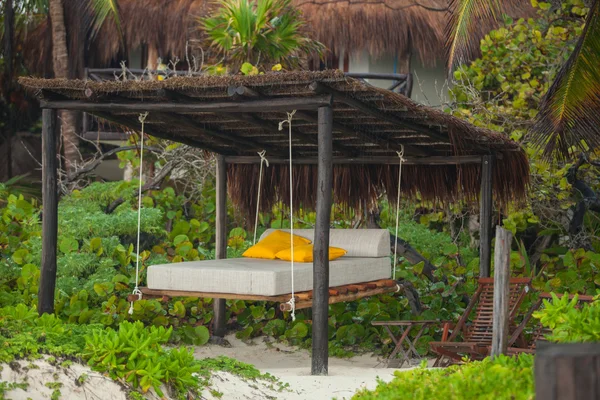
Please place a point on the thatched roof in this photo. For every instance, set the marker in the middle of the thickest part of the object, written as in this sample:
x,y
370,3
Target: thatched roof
x,y
391,26
377,26
166,25
369,126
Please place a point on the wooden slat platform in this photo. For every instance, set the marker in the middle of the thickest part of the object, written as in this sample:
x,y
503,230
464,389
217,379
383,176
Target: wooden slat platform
x,y
303,299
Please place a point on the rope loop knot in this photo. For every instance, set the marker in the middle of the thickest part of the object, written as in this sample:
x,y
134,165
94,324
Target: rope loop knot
x,y
400,161
136,289
263,160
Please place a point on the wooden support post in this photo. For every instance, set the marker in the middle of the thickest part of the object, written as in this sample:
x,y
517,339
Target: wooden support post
x,y
567,371
501,291
221,241
49,212
485,217
320,309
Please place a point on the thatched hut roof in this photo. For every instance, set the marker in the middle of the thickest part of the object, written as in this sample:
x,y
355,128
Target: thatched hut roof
x,y
377,26
391,26
370,124
165,25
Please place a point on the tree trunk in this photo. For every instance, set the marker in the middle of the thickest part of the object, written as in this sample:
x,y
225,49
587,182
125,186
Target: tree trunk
x,y
152,61
60,61
9,29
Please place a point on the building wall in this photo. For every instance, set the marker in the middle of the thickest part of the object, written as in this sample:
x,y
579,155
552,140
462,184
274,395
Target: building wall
x,y
430,83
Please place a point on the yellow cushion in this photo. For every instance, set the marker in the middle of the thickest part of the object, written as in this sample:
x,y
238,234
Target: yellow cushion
x,y
304,253
272,244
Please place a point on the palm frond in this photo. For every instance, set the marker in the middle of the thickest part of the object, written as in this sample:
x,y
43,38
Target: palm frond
x,y
102,10
569,117
466,16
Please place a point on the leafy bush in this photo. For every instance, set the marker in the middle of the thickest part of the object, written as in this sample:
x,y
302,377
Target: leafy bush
x,y
568,322
134,353
501,378
96,272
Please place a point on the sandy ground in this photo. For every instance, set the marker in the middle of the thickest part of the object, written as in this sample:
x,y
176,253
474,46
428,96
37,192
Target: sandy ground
x,y
292,366
40,374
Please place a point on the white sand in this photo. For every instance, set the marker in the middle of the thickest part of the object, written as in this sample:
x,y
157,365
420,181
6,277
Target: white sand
x,y
292,366
38,373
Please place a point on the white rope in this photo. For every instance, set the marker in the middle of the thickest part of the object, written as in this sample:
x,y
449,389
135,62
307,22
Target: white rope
x,y
401,160
263,160
137,290
292,301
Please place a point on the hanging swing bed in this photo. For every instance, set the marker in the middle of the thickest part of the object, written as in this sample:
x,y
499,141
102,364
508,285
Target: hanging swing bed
x,y
305,139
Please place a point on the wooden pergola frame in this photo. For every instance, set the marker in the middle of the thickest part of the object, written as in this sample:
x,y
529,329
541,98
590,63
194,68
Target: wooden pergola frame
x,y
320,101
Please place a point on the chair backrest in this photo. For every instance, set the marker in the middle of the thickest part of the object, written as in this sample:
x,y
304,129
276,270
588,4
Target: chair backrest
x,y
480,329
357,242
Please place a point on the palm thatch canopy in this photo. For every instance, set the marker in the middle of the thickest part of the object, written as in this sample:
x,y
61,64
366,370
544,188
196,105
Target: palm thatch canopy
x,y
379,27
168,26
237,116
398,27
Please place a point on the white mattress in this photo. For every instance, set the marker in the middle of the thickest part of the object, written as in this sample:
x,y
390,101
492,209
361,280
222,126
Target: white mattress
x,y
261,277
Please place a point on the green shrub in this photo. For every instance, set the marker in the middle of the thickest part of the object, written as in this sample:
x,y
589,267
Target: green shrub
x,y
501,378
134,353
568,322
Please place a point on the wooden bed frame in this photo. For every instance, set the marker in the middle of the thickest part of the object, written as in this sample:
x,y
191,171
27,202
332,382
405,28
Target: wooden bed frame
x,y
303,299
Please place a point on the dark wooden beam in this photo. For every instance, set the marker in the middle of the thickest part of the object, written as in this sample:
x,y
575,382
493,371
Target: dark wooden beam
x,y
375,75
104,135
243,91
226,138
320,309
485,216
135,125
218,135
386,160
359,105
51,95
49,212
219,321
368,137
260,105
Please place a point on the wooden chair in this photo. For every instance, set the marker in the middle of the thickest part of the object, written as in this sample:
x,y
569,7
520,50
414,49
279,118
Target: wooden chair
x,y
538,331
477,336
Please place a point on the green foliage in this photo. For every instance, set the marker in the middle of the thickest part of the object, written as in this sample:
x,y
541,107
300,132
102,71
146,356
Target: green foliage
x,y
568,322
265,32
503,378
133,353
570,107
96,272
136,355
502,91
8,386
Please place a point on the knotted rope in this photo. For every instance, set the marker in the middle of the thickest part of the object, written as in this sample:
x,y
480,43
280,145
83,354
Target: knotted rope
x,y
263,160
136,290
401,160
292,301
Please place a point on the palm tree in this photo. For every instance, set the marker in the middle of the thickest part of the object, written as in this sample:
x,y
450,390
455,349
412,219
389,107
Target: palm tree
x,y
258,32
569,115
100,10
60,65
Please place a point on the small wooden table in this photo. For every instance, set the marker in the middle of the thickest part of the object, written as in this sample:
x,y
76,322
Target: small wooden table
x,y
405,328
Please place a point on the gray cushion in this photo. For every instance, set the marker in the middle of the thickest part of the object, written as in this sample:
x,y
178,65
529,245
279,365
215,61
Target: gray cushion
x,y
357,242
261,277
